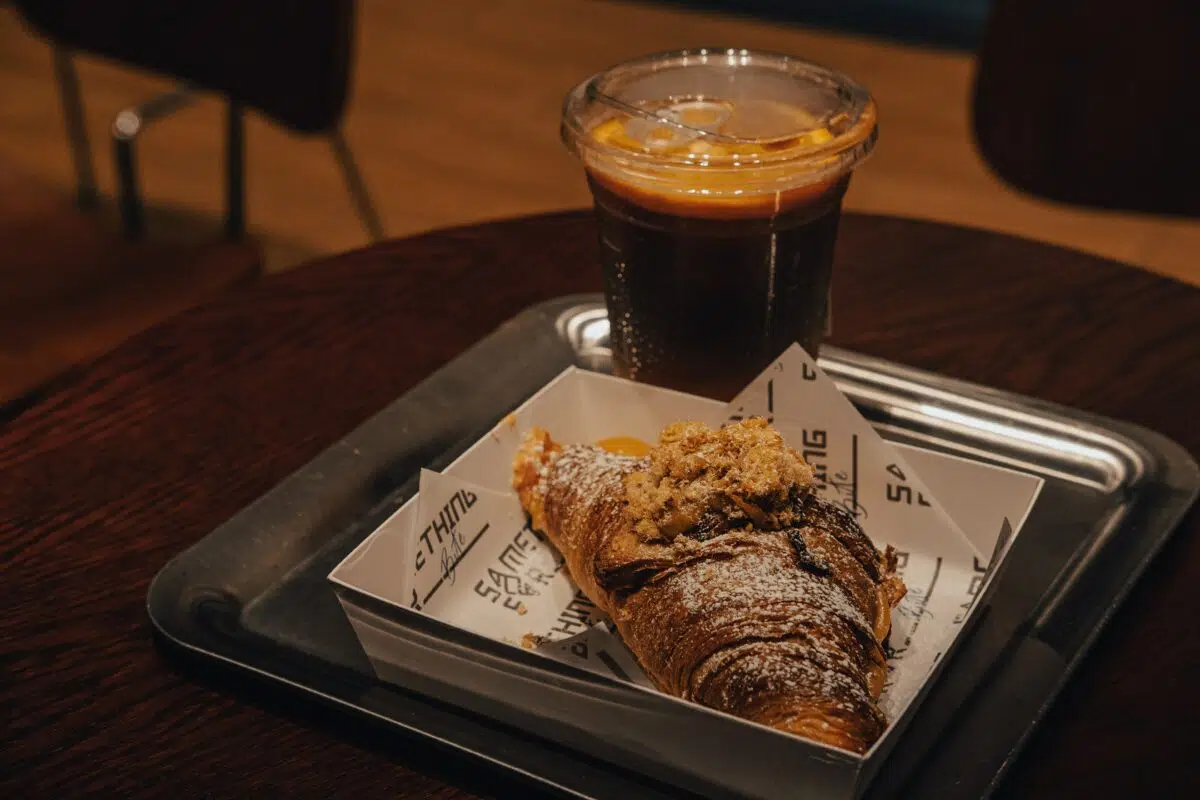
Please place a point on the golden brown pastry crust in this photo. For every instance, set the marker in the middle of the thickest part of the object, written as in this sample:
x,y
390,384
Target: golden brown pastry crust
x,y
732,583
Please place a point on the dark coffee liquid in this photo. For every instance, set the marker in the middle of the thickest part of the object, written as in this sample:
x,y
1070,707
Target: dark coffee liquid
x,y
704,305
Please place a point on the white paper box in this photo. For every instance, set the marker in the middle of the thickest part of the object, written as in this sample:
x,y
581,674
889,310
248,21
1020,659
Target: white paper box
x,y
460,552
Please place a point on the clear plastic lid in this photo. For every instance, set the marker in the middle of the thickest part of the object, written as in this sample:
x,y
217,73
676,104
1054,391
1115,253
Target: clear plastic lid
x,y
719,122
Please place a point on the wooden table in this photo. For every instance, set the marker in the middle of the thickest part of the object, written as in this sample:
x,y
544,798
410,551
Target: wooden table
x,y
145,451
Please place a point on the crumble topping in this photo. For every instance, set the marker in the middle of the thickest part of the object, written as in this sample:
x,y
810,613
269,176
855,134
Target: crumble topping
x,y
698,479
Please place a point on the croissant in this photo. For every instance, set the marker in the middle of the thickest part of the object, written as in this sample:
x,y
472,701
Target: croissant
x,y
730,580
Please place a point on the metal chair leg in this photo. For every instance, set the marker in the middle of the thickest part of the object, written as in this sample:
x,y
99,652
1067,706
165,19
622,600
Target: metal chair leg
x,y
126,127
235,171
128,194
359,195
87,196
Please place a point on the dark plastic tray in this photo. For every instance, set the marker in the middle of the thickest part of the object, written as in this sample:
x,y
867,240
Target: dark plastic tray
x,y
253,595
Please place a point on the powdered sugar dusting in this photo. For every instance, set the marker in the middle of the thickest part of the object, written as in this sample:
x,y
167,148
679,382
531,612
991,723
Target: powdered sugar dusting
x,y
756,576
588,470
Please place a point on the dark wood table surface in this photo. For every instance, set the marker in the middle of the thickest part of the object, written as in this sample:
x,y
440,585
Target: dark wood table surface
x,y
130,459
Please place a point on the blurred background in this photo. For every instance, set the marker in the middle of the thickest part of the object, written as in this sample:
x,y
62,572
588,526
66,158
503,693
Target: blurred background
x,y
451,116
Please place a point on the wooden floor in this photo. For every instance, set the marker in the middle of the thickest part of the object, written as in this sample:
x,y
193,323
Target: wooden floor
x,y
455,121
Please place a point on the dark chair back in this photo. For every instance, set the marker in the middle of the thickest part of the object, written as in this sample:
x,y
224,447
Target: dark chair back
x,y
1093,102
289,59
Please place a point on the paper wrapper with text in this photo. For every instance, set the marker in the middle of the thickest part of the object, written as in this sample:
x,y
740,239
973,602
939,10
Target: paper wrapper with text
x,y
462,550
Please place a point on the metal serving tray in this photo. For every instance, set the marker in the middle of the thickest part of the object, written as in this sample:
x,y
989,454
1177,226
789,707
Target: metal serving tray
x,y
252,596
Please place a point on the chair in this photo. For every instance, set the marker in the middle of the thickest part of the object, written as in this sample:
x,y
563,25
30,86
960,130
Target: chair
x,y
1092,102
288,59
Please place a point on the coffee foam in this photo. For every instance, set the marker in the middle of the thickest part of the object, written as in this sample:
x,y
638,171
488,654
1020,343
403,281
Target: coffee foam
x,y
705,130
697,158
703,201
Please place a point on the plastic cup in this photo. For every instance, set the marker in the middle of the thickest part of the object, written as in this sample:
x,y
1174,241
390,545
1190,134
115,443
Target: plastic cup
x,y
718,176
